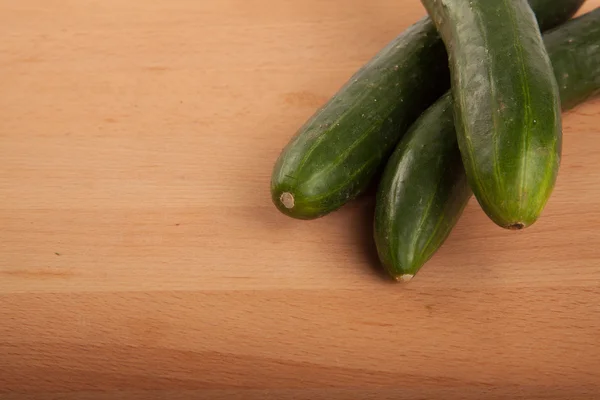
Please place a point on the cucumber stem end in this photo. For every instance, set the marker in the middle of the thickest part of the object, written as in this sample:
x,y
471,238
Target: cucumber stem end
x,y
287,199
404,278
516,227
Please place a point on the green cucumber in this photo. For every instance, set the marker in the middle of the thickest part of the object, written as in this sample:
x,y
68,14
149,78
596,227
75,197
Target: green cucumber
x,y
335,155
506,105
424,188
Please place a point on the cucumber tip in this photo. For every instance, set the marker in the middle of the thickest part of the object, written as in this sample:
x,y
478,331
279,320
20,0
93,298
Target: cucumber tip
x,y
516,227
404,278
287,199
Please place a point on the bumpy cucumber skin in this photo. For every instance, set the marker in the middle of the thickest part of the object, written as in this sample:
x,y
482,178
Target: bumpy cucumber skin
x,y
424,189
574,51
339,149
336,154
506,105
422,193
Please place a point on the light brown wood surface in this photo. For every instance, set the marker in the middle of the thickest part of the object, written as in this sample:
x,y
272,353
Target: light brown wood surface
x,y
141,257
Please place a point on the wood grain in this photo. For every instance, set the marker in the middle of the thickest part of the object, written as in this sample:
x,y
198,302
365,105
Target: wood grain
x,y
141,258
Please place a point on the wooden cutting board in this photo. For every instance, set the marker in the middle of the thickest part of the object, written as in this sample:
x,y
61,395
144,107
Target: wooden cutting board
x,y
141,257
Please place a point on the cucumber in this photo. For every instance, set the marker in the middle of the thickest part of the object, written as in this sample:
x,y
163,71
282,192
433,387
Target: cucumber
x,y
506,105
335,155
422,193
424,188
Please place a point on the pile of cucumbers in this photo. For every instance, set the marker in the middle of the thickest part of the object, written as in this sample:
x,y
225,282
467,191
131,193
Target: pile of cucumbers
x,y
465,102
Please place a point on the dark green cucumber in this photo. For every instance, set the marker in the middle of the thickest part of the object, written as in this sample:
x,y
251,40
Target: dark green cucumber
x,y
337,152
422,193
424,189
334,156
506,105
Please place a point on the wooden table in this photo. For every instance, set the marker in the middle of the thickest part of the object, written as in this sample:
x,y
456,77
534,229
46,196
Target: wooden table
x,y
141,257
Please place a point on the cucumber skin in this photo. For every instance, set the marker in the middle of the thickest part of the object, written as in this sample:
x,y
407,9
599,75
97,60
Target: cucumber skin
x,y
574,51
337,152
556,13
427,162
422,193
506,105
335,155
